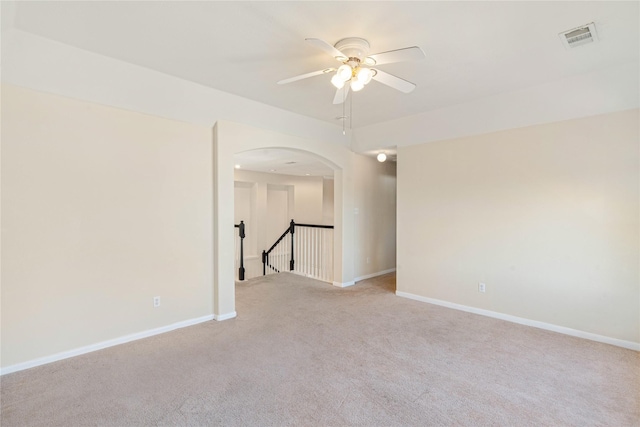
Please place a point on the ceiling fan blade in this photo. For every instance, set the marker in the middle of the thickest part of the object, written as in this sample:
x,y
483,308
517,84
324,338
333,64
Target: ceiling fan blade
x,y
393,81
306,76
413,53
323,45
341,94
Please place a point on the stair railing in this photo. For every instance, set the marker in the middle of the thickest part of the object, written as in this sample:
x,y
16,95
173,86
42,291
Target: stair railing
x,y
274,259
240,249
314,251
309,252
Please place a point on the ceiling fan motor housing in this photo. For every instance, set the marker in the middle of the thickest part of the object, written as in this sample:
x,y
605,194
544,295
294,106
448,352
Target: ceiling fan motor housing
x,y
353,47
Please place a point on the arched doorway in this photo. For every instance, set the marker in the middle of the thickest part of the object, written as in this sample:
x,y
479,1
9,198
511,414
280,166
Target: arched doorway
x,y
230,138
272,187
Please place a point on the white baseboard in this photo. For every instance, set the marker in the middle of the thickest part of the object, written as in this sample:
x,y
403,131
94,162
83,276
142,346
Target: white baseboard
x,y
369,276
358,279
344,284
527,322
226,316
299,273
101,345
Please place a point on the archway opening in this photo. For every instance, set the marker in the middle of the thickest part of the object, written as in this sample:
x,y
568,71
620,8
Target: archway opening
x,y
232,138
272,187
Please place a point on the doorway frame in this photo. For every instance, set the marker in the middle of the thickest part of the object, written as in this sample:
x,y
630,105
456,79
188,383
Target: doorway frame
x,y
230,138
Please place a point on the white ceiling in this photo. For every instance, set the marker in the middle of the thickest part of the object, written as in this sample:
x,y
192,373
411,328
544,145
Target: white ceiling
x,y
473,49
289,162
281,161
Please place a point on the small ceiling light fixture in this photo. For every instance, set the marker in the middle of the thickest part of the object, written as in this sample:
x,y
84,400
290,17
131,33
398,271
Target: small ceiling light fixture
x,y
381,157
237,166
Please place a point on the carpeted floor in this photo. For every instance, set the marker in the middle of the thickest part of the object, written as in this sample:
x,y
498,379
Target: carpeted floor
x,y
305,353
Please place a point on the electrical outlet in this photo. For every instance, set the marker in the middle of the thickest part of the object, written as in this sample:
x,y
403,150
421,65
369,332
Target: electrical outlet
x,y
482,287
156,301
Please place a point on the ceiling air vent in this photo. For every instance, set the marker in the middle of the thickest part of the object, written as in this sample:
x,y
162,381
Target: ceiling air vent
x,y
585,34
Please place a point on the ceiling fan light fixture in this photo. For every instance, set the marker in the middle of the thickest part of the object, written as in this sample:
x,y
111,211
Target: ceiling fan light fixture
x,y
364,75
356,85
356,66
337,81
344,72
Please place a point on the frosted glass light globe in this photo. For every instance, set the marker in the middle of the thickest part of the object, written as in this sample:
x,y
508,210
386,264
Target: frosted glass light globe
x,y
356,85
364,75
344,72
337,81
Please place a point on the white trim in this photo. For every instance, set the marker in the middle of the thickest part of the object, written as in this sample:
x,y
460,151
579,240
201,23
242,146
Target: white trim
x,y
344,284
369,276
308,276
226,316
104,344
358,279
527,322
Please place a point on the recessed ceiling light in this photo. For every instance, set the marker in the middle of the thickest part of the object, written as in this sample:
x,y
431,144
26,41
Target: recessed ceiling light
x,y
307,174
272,170
237,166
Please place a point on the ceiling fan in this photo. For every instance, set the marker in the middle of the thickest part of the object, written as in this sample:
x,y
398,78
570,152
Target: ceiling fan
x,y
356,70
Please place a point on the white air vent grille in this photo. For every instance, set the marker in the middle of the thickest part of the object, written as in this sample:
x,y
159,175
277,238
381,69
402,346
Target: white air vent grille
x,y
585,34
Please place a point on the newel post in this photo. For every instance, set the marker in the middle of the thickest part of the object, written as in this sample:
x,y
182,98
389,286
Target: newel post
x,y
292,229
241,269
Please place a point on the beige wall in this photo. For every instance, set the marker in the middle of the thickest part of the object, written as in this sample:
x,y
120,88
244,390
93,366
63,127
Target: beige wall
x,y
327,201
375,218
305,204
547,216
307,192
102,209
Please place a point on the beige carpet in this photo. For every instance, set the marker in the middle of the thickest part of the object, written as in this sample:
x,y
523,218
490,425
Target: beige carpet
x,y
305,353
